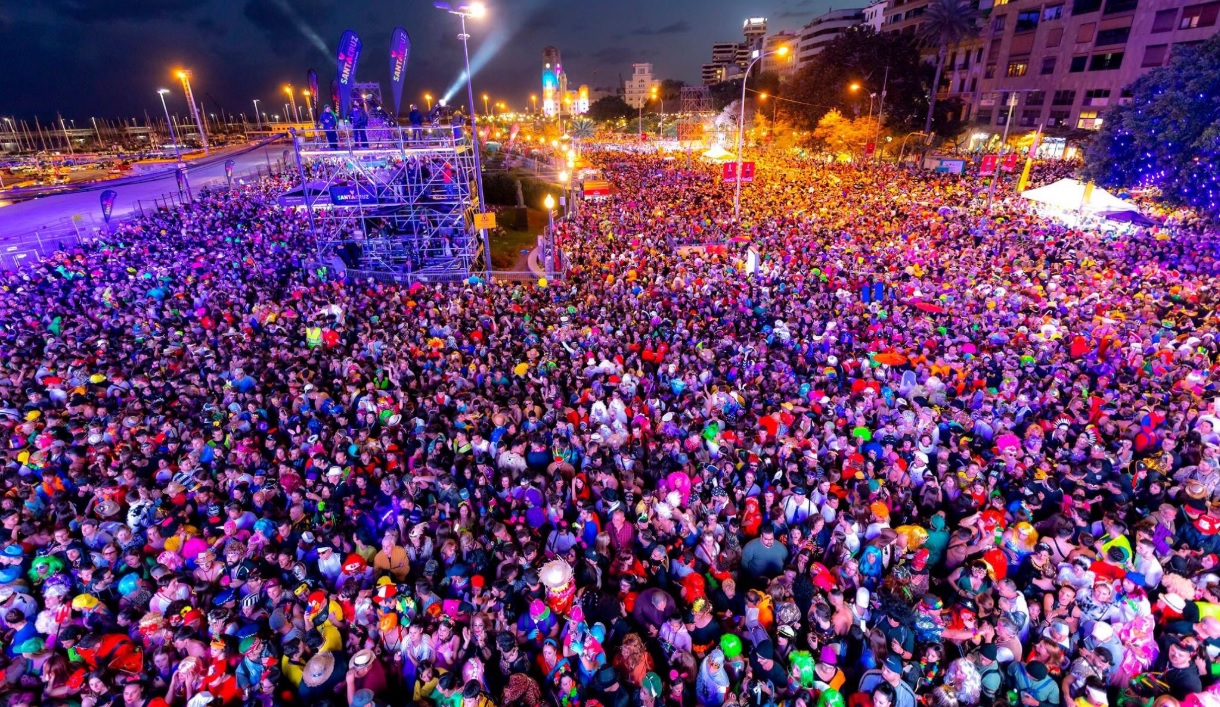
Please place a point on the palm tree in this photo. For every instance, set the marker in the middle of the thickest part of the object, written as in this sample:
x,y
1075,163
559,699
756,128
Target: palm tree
x,y
581,129
945,23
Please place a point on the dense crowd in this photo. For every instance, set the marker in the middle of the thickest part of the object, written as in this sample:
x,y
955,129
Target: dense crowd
x,y
871,446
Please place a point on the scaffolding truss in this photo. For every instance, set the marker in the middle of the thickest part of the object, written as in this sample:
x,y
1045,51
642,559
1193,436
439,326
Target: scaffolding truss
x,y
696,99
394,203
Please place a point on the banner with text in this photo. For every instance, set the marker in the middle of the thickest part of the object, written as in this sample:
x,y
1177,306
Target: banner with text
x,y
729,172
346,60
108,198
1010,162
988,165
400,48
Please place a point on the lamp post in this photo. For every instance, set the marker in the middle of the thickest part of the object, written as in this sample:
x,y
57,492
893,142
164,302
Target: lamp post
x,y
741,121
258,120
296,113
855,87
428,98
170,123
97,131
308,105
474,9
534,100
185,77
652,94
549,203
485,109
1012,102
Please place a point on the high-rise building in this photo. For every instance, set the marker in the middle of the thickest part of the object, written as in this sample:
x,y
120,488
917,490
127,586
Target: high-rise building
x,y
822,29
874,14
754,29
772,62
556,98
727,55
639,86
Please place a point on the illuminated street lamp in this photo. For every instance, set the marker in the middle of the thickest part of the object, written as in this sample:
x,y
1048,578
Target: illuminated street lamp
x,y
741,121
293,99
534,100
308,105
185,77
474,10
258,119
161,92
485,110
428,98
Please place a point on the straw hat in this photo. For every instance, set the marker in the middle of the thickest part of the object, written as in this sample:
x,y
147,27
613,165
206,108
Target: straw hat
x,y
319,668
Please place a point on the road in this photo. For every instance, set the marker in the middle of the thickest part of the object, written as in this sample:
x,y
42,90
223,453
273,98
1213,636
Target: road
x,y
57,212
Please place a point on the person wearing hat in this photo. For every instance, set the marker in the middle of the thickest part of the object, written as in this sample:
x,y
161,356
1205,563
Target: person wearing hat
x,y
1034,686
607,689
366,672
1181,673
321,677
991,678
259,662
1093,664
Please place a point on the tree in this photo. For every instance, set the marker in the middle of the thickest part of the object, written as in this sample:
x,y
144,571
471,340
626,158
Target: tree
x,y
945,23
843,136
581,129
861,55
609,108
1168,135
671,93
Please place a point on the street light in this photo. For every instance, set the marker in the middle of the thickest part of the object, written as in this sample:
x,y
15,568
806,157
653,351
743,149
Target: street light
x,y
534,100
258,119
308,105
485,110
161,92
855,88
475,10
741,121
185,77
774,105
428,98
291,97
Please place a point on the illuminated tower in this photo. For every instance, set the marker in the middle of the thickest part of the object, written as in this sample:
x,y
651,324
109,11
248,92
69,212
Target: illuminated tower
x,y
552,80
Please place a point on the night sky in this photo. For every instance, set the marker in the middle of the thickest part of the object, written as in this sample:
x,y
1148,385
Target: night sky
x,y
108,57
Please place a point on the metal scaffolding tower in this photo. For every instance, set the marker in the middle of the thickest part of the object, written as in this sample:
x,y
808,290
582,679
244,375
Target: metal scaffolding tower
x,y
696,110
394,203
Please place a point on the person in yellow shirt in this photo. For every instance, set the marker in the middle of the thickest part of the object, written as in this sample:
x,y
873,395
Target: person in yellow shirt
x,y
425,681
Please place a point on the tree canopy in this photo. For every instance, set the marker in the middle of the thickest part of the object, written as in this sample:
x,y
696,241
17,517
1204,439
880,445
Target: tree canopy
x,y
1168,135
609,108
860,55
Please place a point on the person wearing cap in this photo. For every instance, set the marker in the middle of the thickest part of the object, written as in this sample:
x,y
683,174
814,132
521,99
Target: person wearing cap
x,y
991,677
1034,686
1181,674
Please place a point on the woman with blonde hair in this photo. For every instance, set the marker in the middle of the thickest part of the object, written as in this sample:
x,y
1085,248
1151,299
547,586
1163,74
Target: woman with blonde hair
x,y
633,660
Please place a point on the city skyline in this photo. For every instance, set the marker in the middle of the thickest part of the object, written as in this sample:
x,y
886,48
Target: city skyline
x,y
110,60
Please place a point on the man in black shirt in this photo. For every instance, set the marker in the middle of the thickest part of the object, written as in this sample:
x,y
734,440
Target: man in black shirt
x,y
1181,675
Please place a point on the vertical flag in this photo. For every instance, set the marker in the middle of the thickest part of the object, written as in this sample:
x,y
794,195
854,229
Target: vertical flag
x,y
311,81
988,165
229,172
347,59
400,47
334,95
512,136
108,198
1024,180
1088,193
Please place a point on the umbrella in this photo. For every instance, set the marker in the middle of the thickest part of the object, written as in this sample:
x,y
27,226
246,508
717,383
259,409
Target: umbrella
x,y
930,308
1132,217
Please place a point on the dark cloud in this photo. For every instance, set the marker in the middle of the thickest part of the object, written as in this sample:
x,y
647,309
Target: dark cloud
x,y
678,27
614,55
113,10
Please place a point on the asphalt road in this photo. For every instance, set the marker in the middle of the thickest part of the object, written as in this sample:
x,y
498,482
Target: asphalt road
x,y
20,221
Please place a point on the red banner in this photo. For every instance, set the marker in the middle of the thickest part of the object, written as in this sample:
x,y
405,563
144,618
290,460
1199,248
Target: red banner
x,y
1010,162
729,171
870,149
987,168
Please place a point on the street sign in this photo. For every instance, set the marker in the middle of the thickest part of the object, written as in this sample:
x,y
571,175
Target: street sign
x,y
594,187
484,221
988,165
1010,162
729,172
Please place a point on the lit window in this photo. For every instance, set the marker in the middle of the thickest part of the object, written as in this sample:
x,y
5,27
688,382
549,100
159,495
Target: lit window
x,y
1088,120
1017,68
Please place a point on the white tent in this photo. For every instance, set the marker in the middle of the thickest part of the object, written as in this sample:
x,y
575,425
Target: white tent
x,y
718,154
1068,194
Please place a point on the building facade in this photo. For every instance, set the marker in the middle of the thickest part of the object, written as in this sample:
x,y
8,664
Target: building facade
x,y
557,99
637,88
822,29
874,14
785,66
731,58
1067,60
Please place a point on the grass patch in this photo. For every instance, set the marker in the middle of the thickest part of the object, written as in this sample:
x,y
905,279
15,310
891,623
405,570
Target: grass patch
x,y
507,246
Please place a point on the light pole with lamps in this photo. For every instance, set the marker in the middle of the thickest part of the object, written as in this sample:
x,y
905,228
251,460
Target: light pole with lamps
x,y
308,105
291,97
855,87
534,100
428,98
549,203
258,118
652,94
485,109
474,9
741,122
170,123
185,77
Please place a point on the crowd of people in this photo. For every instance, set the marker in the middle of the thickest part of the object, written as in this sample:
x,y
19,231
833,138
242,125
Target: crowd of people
x,y
869,446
